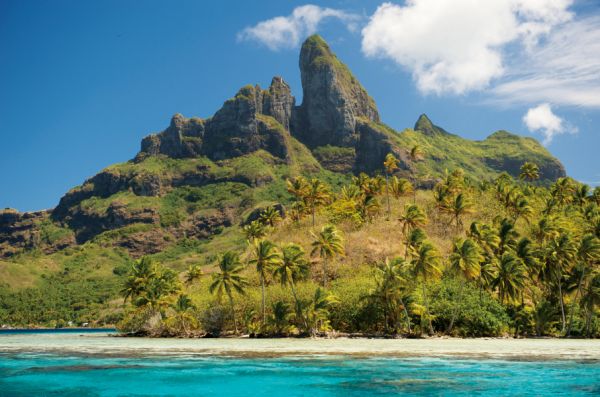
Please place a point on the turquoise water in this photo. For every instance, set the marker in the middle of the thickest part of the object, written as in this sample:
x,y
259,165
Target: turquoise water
x,y
24,374
27,331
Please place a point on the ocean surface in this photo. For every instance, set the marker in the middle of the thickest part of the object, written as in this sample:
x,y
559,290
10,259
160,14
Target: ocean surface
x,y
55,372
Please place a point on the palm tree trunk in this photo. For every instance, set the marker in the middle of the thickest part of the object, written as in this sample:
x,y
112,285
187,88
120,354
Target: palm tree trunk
x,y
262,286
572,311
562,306
455,311
406,315
313,215
324,271
233,313
298,308
425,300
387,193
385,317
588,321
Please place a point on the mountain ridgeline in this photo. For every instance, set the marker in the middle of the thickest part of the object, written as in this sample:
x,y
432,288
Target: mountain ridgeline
x,y
200,177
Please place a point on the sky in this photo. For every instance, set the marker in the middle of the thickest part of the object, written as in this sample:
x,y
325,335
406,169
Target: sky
x,y
82,82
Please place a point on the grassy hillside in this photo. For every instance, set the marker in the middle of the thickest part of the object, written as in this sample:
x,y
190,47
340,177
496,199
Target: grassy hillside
x,y
481,160
82,284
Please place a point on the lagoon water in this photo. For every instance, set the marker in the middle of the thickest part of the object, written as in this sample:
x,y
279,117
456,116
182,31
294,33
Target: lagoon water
x,y
100,365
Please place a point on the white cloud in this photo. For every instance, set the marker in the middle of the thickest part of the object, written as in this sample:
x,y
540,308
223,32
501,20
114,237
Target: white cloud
x,y
287,32
542,120
564,69
457,46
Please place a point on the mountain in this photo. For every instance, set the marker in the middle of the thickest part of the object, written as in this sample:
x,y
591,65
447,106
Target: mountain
x,y
199,178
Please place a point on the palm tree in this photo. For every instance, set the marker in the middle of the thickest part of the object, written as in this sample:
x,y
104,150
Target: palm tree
x,y
595,197
529,172
562,191
581,195
279,320
522,209
413,217
228,279
415,239
149,285
391,283
184,319
297,187
545,230
591,299
292,268
327,244
560,254
485,236
416,154
426,266
368,207
465,261
193,273
255,230
508,235
588,253
442,196
316,310
265,258
528,253
510,277
140,274
156,292
459,207
270,216
390,164
400,187
316,195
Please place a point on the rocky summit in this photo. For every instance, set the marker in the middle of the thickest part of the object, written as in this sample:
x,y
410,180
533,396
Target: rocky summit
x,y
199,177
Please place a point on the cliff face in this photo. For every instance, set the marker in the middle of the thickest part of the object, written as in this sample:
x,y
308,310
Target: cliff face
x,y
333,99
235,129
337,120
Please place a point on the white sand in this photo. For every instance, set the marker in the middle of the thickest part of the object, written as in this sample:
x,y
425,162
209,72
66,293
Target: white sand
x,y
525,349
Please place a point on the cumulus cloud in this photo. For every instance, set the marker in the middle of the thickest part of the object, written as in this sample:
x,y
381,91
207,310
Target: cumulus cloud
x,y
542,120
458,46
287,32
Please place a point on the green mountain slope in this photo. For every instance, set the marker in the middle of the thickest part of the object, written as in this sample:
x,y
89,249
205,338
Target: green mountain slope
x,y
183,197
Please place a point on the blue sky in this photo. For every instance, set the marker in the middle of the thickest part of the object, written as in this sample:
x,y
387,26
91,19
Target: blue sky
x,y
82,82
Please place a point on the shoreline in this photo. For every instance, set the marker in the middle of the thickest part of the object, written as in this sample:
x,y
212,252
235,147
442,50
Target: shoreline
x,y
467,348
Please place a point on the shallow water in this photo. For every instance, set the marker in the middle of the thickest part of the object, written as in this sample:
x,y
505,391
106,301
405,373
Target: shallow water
x,y
100,365
27,375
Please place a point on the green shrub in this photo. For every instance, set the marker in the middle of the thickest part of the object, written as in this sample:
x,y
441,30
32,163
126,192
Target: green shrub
x,y
479,314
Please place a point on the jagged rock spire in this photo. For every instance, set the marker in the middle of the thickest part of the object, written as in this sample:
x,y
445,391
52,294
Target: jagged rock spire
x,y
333,99
425,126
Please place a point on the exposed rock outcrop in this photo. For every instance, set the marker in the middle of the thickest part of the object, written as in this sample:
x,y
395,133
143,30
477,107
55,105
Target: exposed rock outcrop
x,y
332,100
425,126
240,127
374,144
183,138
88,223
27,230
253,119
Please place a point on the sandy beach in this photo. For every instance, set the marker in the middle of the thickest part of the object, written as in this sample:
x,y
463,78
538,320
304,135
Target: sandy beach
x,y
104,344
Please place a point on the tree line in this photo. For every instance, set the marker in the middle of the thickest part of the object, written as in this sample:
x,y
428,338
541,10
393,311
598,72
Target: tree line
x,y
476,258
